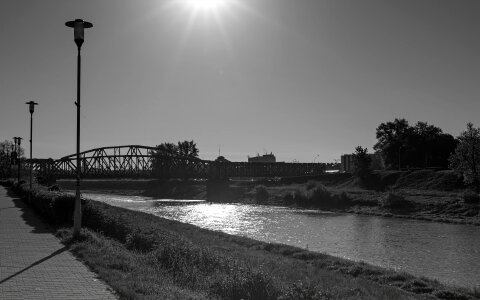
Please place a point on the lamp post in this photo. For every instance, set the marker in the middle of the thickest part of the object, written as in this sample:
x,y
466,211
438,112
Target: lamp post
x,y
78,34
31,108
11,161
18,140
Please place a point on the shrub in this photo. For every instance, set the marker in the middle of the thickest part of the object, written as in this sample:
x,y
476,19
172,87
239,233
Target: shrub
x,y
393,200
140,241
245,284
321,197
108,220
295,197
320,194
343,199
261,193
470,197
443,294
311,184
56,207
304,291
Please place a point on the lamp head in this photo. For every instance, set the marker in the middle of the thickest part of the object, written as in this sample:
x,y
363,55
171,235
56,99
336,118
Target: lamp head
x,y
78,30
31,106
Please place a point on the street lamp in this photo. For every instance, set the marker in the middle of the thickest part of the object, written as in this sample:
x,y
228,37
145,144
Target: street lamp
x,y
31,108
18,141
11,161
78,34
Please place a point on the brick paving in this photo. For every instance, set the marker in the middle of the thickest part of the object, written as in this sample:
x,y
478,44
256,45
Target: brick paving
x,y
33,262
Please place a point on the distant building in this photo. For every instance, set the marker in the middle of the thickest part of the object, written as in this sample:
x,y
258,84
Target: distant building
x,y
347,163
221,159
266,158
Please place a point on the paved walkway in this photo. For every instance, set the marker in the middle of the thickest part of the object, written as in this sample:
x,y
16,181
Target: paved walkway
x,y
34,264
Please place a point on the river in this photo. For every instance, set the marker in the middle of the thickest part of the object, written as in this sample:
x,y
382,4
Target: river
x,y
446,252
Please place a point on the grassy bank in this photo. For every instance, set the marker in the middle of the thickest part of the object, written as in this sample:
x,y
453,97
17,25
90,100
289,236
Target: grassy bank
x,y
146,257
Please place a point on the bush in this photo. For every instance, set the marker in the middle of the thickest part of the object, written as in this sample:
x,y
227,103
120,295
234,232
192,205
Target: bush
x,y
295,197
321,197
343,199
320,194
111,222
56,207
470,197
304,291
245,284
317,196
261,193
311,184
393,200
451,295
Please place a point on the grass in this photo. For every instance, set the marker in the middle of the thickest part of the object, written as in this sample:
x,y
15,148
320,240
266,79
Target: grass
x,y
143,256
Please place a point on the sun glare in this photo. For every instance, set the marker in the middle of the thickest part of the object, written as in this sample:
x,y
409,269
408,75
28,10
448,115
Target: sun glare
x,y
206,5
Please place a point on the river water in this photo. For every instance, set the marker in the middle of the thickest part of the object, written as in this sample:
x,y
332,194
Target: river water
x,y
447,252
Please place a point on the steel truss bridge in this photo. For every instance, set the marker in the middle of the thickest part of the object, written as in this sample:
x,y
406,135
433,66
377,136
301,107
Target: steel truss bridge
x,y
134,161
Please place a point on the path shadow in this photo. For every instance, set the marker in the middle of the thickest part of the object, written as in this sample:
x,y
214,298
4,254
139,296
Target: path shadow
x,y
29,215
59,251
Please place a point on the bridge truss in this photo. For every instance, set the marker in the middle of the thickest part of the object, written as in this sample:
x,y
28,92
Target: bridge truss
x,y
134,161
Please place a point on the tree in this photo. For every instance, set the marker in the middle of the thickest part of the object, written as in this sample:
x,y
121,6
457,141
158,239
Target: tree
x,y
362,164
6,157
420,146
166,153
393,141
166,149
432,146
466,158
7,146
187,148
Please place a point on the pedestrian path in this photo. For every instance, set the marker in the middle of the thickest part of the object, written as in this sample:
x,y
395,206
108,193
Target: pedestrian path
x,y
34,264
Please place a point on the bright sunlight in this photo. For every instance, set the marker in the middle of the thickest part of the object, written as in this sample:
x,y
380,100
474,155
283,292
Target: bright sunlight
x,y
207,5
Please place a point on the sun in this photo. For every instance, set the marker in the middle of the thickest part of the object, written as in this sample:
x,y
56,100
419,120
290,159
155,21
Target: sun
x,y
206,5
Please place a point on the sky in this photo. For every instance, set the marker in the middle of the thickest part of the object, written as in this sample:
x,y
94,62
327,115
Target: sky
x,y
308,80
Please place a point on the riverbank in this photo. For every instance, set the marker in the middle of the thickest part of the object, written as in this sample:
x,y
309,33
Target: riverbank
x,y
141,255
437,196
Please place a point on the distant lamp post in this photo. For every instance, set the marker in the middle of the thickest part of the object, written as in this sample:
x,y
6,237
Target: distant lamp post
x,y
31,108
78,34
18,141
11,160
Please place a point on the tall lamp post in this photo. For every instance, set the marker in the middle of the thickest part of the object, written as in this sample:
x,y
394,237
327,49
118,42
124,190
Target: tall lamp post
x,y
31,108
78,34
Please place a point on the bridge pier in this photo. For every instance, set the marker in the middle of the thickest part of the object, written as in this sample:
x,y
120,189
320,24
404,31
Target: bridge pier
x,y
218,184
218,189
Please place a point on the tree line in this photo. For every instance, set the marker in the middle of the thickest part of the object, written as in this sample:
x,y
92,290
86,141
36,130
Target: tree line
x,y
9,157
420,146
423,145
